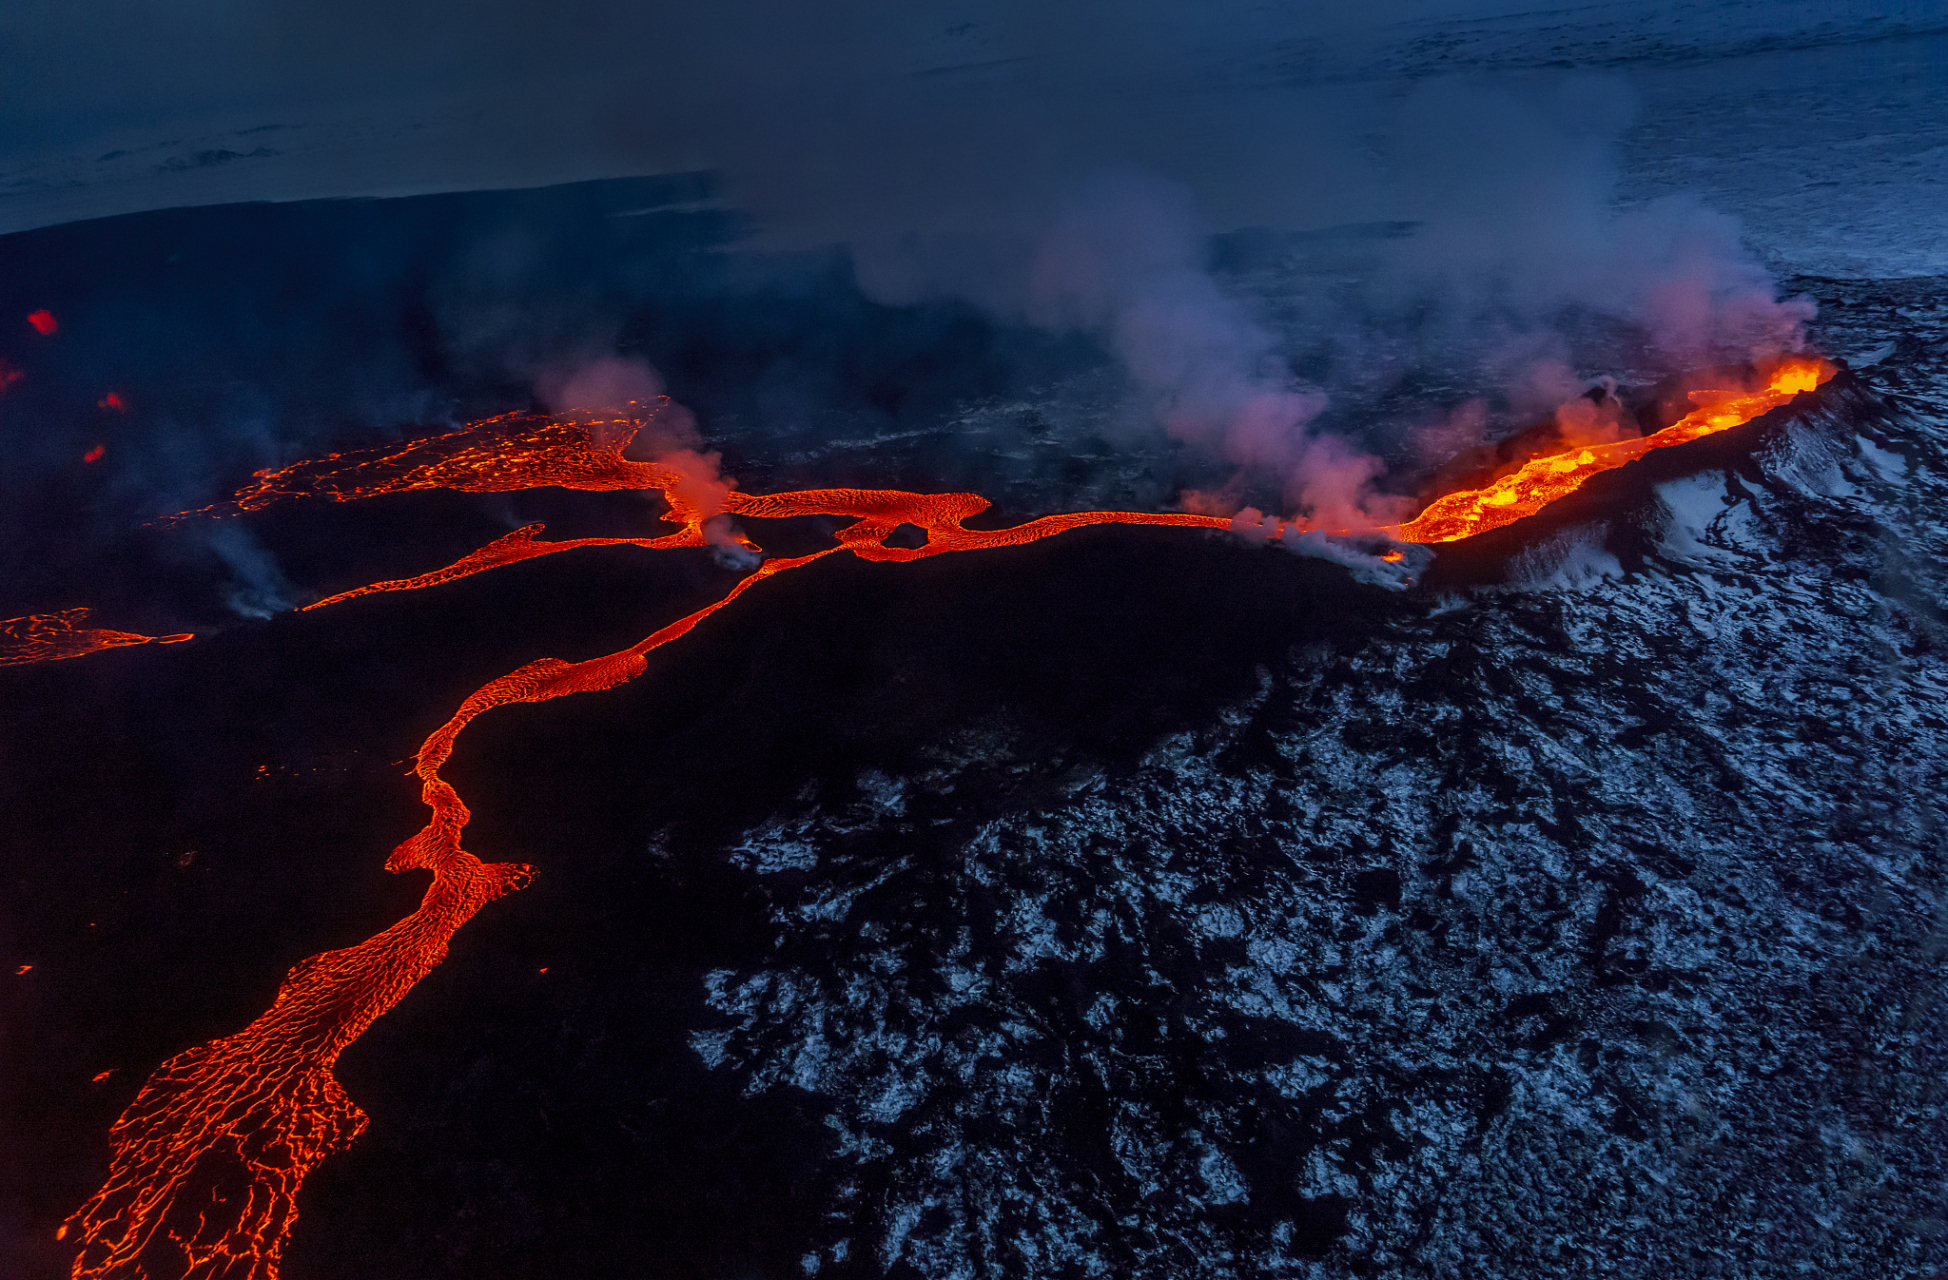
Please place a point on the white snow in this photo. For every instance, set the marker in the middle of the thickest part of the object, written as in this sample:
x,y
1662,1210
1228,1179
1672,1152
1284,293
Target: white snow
x,y
1824,129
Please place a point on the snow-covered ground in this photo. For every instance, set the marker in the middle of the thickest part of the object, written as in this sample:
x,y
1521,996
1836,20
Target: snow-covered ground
x,y
1835,158
1553,933
1823,126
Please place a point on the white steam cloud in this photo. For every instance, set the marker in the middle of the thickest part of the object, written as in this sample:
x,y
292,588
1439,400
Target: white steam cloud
x,y
1522,240
607,382
1521,273
258,587
1124,259
668,436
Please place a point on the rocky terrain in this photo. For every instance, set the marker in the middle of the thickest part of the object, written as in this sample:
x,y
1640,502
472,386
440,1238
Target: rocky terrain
x,y
1136,904
1589,923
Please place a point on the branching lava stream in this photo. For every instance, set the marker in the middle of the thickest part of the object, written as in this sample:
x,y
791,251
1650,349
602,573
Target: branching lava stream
x,y
208,1159
50,637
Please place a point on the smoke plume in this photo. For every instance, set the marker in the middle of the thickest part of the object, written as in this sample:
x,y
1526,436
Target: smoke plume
x,y
668,436
1125,259
1523,252
1318,261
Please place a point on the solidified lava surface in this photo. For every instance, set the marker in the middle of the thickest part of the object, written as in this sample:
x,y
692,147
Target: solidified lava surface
x,y
1137,903
1244,922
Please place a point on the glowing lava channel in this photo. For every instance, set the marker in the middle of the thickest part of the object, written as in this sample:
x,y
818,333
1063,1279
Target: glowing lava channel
x,y
50,637
208,1159
1541,481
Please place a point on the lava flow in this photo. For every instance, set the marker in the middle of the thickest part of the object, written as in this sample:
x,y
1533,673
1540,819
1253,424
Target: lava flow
x,y
49,637
208,1159
528,451
1544,480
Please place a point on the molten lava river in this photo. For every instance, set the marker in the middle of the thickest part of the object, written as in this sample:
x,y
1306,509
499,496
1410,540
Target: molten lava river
x,y
209,1158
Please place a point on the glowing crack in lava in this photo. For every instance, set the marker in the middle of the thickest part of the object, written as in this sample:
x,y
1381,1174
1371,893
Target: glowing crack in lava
x,y
207,1161
1541,481
49,637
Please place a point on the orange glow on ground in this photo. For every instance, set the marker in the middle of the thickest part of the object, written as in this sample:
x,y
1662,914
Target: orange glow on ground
x,y
1542,481
95,454
43,322
207,1161
113,400
50,637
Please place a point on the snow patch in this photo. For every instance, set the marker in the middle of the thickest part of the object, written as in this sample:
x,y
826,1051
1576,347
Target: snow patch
x,y
887,794
1692,507
1573,560
1808,462
1890,465
775,847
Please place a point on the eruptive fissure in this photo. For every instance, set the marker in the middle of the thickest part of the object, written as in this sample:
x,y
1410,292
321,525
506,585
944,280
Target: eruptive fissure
x,y
208,1160
1541,481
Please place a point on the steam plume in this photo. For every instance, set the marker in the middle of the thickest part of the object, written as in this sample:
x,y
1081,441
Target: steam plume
x,y
1523,243
669,436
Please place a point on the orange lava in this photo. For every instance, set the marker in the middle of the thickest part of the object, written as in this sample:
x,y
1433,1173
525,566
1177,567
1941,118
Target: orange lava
x,y
497,455
113,400
1542,481
208,1159
43,321
508,549
529,451
95,454
50,637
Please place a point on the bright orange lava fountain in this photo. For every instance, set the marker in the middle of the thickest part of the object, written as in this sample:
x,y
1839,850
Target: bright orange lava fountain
x,y
49,637
1542,481
208,1159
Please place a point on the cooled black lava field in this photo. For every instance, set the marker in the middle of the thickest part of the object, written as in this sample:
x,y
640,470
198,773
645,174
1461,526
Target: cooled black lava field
x,y
1144,902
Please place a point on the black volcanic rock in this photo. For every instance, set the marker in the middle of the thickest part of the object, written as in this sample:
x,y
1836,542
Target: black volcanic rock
x,y
1137,903
1586,924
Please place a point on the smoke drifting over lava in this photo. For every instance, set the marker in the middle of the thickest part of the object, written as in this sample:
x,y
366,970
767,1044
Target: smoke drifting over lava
x,y
1295,280
1517,272
1521,242
1313,380
1124,261
1141,900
